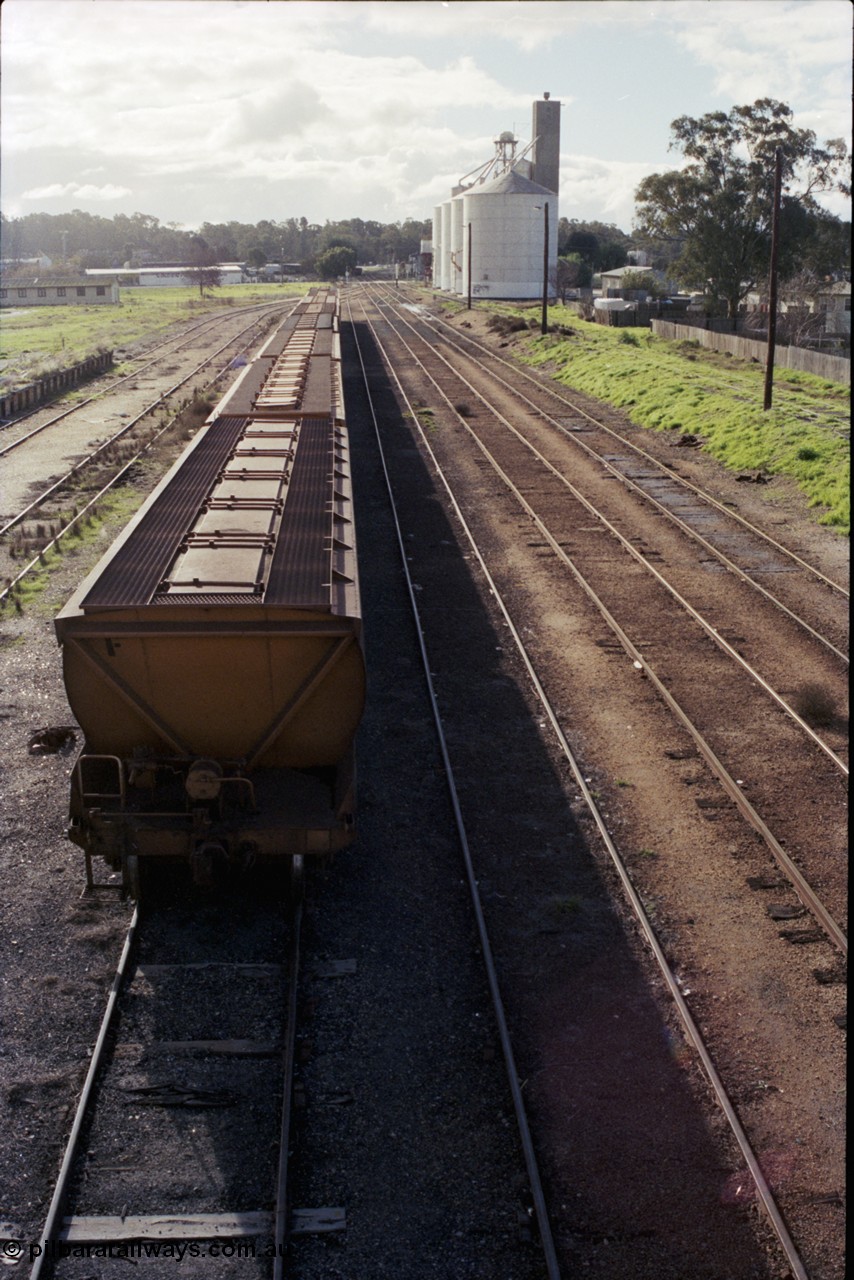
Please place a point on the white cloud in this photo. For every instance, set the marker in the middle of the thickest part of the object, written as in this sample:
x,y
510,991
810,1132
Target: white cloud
x,y
191,105
109,191
77,191
783,49
527,24
603,190
278,95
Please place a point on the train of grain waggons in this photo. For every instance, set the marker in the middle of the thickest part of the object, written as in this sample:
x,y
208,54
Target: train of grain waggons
x,y
213,658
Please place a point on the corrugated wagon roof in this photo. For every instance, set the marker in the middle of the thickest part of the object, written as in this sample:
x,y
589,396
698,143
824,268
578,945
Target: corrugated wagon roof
x,y
133,574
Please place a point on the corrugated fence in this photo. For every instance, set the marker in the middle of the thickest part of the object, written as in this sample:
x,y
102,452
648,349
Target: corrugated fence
x,y
834,368
53,384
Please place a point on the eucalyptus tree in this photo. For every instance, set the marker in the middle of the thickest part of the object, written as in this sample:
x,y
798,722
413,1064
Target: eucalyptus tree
x,y
718,207
335,261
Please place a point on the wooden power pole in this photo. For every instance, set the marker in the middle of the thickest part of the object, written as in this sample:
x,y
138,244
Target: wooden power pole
x,y
772,279
544,322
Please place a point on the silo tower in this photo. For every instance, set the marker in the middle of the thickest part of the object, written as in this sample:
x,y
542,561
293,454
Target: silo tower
x,y
545,132
497,235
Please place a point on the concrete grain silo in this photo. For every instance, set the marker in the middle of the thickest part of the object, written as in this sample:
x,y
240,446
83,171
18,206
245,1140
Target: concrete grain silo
x,y
446,245
456,247
502,209
508,228
437,247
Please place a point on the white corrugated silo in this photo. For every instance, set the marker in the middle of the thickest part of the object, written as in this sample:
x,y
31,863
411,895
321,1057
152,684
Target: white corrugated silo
x,y
437,247
507,218
446,245
456,284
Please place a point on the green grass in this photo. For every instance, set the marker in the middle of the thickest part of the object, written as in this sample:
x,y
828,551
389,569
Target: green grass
x,y
37,340
681,387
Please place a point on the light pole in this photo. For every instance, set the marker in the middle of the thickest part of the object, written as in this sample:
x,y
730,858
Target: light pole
x,y
468,266
544,321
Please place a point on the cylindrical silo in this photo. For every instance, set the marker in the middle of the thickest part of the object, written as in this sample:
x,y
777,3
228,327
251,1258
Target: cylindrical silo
x,y
446,245
437,247
457,284
508,219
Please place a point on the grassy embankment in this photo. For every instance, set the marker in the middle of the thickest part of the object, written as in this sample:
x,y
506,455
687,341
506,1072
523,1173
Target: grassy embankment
x,y
38,340
681,386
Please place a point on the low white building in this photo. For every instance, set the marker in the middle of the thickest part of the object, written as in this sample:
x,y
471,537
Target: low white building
x,y
72,293
176,276
613,286
233,273
164,277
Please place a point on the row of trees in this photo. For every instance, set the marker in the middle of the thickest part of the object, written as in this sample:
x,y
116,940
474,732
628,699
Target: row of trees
x,y
599,245
91,241
585,248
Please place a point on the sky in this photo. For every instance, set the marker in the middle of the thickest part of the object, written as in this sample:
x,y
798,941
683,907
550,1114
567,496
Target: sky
x,y
211,110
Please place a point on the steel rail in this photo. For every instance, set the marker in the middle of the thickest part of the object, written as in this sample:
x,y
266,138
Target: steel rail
x,y
53,1222
83,512
179,342
519,371
129,426
712,632
677,481
57,1204
540,1208
763,1190
93,502
692,533
280,1221
802,888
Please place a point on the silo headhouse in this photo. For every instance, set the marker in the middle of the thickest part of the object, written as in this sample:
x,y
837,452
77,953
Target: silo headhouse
x,y
496,236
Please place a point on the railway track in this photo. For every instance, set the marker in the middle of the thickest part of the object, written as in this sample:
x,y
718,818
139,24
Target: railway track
x,y
664,644
166,349
66,499
538,1200
179,1145
468,477
161,964
615,430
738,545
157,997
